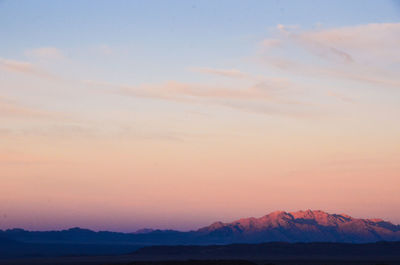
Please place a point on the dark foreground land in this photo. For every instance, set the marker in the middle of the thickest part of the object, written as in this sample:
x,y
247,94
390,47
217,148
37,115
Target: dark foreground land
x,y
263,262
278,253
124,261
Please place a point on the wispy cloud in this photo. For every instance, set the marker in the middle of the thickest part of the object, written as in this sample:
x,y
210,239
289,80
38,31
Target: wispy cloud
x,y
104,49
12,109
360,73
271,43
23,67
231,73
269,96
48,53
364,42
341,97
175,90
365,53
79,129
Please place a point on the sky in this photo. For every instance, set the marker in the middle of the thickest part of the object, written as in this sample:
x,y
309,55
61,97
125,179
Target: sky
x,y
120,115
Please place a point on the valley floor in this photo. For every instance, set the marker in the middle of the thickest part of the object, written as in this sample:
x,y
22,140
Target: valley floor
x,y
127,260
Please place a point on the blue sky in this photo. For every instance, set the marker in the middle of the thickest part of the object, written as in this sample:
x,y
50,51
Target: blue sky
x,y
149,35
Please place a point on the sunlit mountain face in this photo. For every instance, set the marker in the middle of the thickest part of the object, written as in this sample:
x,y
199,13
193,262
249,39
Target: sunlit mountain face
x,y
305,226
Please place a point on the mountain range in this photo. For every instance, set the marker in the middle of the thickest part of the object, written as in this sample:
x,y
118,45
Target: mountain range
x,y
301,226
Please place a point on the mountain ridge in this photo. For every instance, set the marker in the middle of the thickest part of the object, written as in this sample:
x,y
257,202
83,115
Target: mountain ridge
x,y
305,226
300,226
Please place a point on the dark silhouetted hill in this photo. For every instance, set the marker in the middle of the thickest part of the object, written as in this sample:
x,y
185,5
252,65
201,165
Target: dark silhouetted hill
x,y
274,250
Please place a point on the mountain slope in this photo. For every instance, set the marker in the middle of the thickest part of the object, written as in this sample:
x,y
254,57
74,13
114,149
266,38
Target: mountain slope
x,y
302,226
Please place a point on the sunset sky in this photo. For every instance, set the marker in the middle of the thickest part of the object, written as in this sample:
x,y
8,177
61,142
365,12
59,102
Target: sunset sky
x,y
120,115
